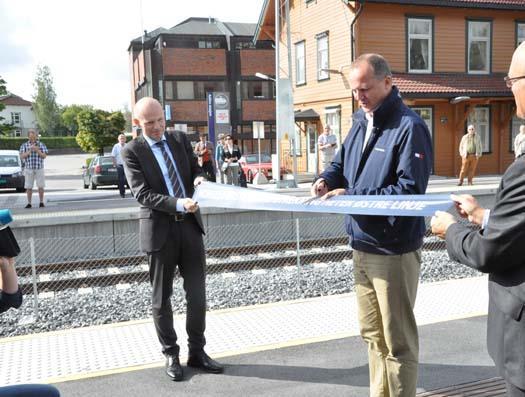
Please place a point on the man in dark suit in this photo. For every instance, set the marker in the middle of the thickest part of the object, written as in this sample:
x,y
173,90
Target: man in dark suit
x,y
162,171
498,249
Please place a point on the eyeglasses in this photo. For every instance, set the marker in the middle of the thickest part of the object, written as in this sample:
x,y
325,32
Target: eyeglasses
x,y
511,80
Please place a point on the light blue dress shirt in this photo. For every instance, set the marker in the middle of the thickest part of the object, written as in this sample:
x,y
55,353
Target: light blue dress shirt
x,y
157,152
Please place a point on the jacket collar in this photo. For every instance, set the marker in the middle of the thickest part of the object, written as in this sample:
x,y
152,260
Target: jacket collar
x,y
384,111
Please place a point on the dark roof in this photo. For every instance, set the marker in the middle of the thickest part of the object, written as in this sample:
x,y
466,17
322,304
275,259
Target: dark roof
x,y
491,4
306,115
202,27
444,85
14,100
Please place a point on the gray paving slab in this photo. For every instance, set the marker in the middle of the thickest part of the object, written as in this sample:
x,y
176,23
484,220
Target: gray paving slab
x,y
451,352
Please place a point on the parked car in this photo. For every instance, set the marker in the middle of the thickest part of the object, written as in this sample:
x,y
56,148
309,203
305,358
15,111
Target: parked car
x,y
11,174
100,172
250,165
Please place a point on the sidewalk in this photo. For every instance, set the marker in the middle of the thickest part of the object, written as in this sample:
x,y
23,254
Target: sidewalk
x,y
326,325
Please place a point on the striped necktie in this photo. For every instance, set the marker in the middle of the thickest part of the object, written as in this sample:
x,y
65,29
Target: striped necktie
x,y
177,188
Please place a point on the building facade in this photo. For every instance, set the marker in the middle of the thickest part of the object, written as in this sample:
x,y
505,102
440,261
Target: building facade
x,y
19,113
178,66
448,60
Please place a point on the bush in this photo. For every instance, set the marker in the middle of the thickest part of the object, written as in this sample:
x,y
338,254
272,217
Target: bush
x,y
52,142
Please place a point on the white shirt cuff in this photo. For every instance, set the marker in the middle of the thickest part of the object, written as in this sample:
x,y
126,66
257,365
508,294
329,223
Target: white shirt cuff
x,y
486,216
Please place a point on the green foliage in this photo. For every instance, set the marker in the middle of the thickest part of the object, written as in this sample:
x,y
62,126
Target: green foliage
x,y
98,128
4,127
52,142
45,106
127,116
68,116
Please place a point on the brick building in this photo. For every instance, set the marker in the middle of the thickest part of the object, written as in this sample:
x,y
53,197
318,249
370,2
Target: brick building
x,y
448,60
178,66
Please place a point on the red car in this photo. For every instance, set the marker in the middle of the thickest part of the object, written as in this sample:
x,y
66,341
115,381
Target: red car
x,y
250,165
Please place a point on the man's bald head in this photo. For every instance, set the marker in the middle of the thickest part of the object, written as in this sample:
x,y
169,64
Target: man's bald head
x,y
148,114
517,69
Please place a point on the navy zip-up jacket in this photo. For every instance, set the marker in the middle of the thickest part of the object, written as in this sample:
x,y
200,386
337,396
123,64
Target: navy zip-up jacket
x,y
397,160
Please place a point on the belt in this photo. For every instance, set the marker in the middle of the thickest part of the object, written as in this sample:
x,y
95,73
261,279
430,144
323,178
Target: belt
x,y
178,217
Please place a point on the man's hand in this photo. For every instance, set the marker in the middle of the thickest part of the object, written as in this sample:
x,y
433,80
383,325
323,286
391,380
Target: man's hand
x,y
468,207
198,180
190,205
319,188
332,193
440,223
34,148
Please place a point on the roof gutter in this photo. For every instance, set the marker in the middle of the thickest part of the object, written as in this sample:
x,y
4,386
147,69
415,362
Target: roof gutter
x,y
260,23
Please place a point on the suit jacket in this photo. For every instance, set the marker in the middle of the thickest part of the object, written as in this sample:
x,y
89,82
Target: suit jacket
x,y
147,184
499,250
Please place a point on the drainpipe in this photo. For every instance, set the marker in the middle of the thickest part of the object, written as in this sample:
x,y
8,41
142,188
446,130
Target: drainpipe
x,y
352,38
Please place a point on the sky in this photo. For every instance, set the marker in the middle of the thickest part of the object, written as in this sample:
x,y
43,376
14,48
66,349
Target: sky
x,y
84,43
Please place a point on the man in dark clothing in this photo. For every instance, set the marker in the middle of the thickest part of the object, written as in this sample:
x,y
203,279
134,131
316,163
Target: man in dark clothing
x,y
498,249
387,151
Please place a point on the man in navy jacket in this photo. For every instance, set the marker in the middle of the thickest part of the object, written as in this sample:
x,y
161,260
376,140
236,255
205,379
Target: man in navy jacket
x,y
387,151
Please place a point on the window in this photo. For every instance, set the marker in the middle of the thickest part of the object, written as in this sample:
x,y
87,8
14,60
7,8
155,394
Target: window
x,y
419,45
209,44
191,89
322,56
300,64
480,118
297,140
258,89
515,130
15,118
185,90
426,115
333,119
479,47
520,33
244,44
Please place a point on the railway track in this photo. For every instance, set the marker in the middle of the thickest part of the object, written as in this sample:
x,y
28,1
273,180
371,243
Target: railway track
x,y
63,275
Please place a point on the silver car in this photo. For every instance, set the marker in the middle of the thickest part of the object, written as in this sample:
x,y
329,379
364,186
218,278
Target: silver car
x,y
11,175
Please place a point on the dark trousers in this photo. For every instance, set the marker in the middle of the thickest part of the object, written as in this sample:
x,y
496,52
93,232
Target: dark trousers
x,y
207,167
121,180
185,249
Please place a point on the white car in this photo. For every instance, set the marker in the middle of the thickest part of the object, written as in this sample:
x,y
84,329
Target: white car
x,y
11,175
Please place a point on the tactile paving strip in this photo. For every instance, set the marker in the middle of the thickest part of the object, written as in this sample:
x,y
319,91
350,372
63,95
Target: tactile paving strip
x,y
79,352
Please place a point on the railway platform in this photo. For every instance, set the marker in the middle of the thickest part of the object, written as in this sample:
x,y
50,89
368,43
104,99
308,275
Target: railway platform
x,y
305,347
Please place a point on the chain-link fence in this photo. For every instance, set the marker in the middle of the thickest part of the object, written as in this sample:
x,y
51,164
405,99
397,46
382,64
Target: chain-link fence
x,y
90,280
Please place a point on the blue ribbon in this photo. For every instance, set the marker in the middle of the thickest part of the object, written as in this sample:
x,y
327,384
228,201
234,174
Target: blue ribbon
x,y
226,196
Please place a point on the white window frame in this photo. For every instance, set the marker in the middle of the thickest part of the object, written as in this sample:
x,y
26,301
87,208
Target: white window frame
x,y
333,119
420,36
430,122
520,36
487,40
514,130
16,118
486,141
300,63
322,63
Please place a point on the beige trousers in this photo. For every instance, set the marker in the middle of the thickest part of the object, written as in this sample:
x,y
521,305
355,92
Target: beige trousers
x,y
386,287
468,168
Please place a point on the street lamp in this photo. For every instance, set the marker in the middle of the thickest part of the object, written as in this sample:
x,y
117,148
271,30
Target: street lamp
x,y
264,76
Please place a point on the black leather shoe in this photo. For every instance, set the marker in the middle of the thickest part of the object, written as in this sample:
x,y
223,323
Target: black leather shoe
x,y
202,361
173,368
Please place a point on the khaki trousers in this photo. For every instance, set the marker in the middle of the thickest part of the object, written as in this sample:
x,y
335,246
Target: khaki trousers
x,y
386,287
468,168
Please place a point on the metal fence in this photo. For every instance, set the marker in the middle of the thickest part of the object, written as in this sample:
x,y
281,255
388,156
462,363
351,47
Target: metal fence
x,y
109,274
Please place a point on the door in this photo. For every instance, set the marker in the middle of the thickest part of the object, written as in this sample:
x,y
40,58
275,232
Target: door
x,y
311,131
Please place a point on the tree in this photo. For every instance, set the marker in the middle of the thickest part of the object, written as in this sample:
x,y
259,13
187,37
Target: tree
x,y
45,106
98,128
68,116
127,116
4,127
